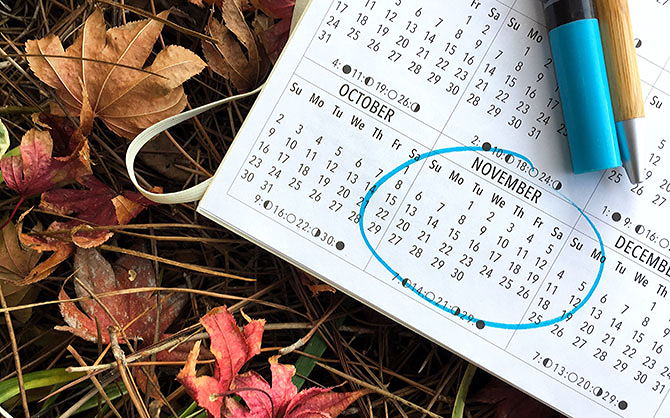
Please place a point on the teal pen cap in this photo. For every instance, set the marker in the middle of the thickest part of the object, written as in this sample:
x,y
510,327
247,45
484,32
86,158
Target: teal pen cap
x,y
579,62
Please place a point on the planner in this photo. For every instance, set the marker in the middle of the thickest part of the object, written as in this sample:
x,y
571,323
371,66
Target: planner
x,y
414,156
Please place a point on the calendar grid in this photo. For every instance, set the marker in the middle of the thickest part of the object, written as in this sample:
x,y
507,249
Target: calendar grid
x,y
440,133
495,37
572,231
483,76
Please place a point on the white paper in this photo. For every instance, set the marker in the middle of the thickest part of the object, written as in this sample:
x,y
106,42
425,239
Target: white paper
x,y
365,86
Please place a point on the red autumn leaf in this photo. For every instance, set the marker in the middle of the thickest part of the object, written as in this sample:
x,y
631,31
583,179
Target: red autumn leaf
x,y
48,158
279,9
97,205
135,311
511,402
275,37
282,399
231,347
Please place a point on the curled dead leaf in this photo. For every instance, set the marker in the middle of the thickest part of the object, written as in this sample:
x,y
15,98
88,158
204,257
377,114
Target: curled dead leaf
x,y
317,289
60,251
15,264
96,205
237,54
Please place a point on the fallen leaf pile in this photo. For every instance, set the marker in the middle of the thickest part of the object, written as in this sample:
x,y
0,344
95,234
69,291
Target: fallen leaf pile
x,y
136,312
99,75
232,348
103,76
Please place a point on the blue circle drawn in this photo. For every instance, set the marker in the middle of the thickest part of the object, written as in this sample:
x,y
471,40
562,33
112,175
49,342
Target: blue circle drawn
x,y
502,325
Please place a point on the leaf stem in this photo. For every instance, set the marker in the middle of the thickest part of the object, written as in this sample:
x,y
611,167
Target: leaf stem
x,y
16,208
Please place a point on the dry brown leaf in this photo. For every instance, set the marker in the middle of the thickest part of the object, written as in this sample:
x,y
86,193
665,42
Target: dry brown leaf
x,y
61,251
15,264
317,289
237,55
127,99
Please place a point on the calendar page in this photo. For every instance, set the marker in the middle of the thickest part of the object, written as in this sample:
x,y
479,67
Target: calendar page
x,y
414,155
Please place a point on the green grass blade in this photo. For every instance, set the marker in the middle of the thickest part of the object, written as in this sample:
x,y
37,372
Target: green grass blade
x,y
113,391
304,365
459,403
43,378
188,411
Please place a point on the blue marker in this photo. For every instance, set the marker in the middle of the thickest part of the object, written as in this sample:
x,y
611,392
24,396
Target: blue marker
x,y
579,61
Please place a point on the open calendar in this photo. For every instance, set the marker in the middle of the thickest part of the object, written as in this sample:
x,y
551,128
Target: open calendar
x,y
413,154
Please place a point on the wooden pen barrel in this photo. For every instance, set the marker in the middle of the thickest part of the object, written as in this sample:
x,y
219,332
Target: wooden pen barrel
x,y
622,69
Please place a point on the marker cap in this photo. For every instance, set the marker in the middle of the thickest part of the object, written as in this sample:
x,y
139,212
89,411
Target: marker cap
x,y
587,105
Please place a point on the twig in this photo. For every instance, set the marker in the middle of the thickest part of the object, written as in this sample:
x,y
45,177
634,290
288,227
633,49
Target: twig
x,y
378,390
158,19
302,341
125,376
163,345
183,152
17,359
187,266
146,289
95,381
17,110
121,227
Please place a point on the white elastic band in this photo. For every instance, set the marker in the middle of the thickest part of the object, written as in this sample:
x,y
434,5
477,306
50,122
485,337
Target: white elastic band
x,y
191,194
